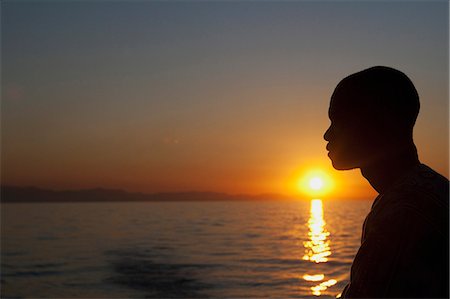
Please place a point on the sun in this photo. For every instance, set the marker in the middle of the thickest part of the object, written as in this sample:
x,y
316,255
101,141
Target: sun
x,y
314,183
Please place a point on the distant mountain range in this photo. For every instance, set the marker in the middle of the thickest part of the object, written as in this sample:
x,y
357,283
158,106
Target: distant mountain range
x,y
14,194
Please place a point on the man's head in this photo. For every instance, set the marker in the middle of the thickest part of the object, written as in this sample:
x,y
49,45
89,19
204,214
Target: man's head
x,y
372,114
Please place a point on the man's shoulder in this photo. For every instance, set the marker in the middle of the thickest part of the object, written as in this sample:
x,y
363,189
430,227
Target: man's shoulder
x,y
421,197
421,185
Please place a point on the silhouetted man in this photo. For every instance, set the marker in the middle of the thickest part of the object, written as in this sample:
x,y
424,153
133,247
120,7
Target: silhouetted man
x,y
405,238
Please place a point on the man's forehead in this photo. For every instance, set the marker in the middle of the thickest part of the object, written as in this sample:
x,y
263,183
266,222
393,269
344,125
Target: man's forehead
x,y
342,105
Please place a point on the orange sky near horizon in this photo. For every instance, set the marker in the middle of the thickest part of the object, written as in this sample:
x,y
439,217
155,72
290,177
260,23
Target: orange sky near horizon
x,y
227,97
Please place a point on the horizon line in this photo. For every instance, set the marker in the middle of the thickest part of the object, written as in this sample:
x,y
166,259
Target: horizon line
x,y
276,195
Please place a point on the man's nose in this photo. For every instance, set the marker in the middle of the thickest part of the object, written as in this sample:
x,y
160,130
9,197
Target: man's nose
x,y
327,134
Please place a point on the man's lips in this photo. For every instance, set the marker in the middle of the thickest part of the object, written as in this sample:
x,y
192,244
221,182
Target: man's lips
x,y
330,150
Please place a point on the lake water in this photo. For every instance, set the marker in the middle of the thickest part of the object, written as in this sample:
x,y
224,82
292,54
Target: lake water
x,y
297,249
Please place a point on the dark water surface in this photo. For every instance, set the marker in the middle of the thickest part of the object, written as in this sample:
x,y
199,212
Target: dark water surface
x,y
296,249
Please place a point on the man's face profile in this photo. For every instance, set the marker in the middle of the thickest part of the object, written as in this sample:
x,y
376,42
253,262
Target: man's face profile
x,y
345,135
352,136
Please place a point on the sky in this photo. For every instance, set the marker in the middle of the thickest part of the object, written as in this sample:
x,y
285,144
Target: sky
x,y
226,96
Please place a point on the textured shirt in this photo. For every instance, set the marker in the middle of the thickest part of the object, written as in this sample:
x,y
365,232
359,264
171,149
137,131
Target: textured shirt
x,y
404,250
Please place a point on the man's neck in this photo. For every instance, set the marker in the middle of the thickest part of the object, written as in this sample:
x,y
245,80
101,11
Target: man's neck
x,y
386,171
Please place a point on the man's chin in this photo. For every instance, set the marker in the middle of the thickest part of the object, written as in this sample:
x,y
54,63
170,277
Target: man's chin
x,y
341,165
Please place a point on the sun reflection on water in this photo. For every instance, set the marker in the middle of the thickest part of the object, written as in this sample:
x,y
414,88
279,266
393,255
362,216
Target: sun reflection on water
x,y
317,248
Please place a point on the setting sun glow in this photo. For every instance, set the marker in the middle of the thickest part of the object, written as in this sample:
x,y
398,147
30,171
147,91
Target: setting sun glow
x,y
315,183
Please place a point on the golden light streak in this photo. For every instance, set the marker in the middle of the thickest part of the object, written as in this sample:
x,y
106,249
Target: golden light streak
x,y
316,277
317,247
318,289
